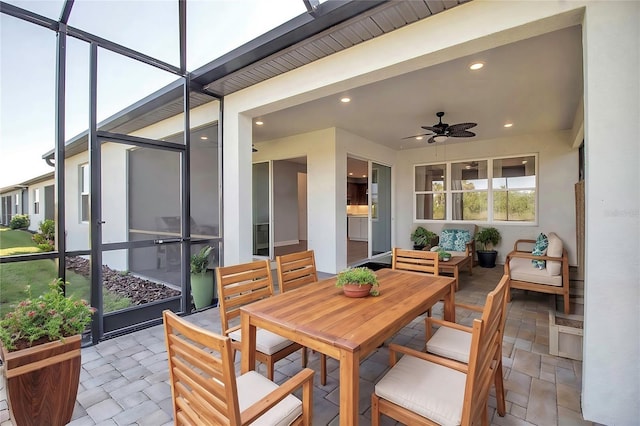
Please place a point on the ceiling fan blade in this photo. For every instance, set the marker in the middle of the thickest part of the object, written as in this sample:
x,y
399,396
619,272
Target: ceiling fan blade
x,y
431,140
434,129
461,126
417,136
461,134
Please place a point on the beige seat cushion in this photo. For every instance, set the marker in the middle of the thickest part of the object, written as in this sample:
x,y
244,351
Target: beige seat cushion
x,y
253,386
523,270
450,343
554,267
428,389
266,342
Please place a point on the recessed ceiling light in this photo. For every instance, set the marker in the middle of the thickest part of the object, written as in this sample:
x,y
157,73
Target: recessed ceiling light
x,y
204,138
345,100
467,167
259,123
350,173
364,175
524,161
508,125
419,138
476,66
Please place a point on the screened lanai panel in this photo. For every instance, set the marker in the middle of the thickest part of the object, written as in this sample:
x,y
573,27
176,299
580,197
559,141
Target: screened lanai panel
x,y
123,82
149,27
217,27
27,101
50,8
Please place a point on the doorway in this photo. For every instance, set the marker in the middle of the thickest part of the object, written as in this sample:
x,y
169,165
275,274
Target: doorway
x,y
280,207
357,210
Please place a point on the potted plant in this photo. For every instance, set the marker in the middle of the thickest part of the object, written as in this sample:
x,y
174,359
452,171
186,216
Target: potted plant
x,y
41,354
202,288
358,282
487,238
444,255
422,238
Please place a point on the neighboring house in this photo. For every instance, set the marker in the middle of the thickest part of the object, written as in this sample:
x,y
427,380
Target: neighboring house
x,y
34,197
610,36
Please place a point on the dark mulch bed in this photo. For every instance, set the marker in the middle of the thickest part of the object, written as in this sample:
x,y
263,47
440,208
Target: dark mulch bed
x,y
138,290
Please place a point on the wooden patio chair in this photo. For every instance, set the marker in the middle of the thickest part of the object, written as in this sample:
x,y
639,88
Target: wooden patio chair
x,y
206,391
294,271
239,285
426,262
425,389
453,341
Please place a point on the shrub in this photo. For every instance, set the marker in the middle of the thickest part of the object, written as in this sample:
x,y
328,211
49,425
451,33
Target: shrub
x,y
46,236
19,221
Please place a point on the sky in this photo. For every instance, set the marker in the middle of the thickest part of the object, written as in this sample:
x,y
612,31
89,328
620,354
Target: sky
x,y
28,57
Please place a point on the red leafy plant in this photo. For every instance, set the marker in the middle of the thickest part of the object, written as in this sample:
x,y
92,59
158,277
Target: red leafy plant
x,y
47,318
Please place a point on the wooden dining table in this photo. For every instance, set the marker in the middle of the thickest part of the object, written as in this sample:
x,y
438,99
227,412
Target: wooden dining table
x,y
321,318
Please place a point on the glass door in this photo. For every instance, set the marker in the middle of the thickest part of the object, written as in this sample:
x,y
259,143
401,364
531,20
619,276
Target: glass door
x,y
380,208
261,178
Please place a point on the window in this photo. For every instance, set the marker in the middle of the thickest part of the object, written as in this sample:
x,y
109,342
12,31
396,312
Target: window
x,y
430,189
514,189
84,192
470,190
36,201
489,190
18,203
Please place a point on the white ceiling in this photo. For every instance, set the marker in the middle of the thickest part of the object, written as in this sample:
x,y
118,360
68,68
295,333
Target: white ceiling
x,y
536,84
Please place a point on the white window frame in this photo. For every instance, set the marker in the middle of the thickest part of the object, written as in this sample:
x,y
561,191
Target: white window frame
x,y
490,197
84,187
36,201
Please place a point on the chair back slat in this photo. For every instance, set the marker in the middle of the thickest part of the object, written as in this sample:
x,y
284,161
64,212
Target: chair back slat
x,y
239,285
296,270
416,261
485,354
202,375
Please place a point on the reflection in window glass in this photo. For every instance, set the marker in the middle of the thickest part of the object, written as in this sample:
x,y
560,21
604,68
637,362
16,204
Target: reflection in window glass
x,y
469,185
430,186
205,217
514,189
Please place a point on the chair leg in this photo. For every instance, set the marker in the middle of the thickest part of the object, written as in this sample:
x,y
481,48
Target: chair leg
x,y
567,304
323,369
375,410
499,383
304,357
270,368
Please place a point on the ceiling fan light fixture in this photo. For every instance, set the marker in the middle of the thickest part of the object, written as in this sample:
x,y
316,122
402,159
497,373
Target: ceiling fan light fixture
x,y
440,138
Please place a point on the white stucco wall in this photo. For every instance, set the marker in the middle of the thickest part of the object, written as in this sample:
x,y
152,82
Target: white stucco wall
x,y
77,231
36,218
611,372
557,175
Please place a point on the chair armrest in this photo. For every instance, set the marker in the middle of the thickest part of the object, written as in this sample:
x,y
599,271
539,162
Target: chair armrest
x,y
445,362
474,308
527,255
515,245
303,379
449,324
232,329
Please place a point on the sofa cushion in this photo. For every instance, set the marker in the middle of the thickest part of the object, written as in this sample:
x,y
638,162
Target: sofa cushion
x,y
454,239
521,270
554,267
540,249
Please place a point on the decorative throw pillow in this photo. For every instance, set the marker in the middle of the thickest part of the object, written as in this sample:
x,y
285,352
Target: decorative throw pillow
x,y
540,249
454,239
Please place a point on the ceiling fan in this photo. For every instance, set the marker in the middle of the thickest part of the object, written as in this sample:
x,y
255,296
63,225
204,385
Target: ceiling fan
x,y
440,132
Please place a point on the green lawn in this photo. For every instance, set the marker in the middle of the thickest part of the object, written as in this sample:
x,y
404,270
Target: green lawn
x,y
16,277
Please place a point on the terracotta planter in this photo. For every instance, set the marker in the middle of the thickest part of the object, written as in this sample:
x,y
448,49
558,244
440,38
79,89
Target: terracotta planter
x,y
42,382
355,290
